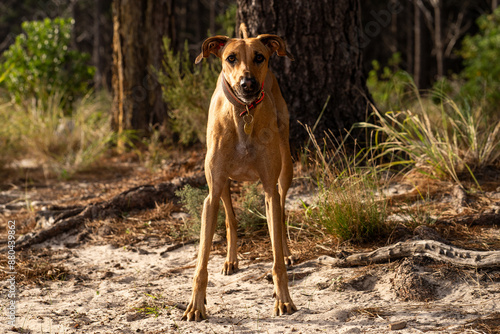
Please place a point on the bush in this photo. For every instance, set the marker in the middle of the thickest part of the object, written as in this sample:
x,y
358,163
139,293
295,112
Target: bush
x,y
349,209
227,20
192,199
187,90
41,63
252,213
482,69
388,85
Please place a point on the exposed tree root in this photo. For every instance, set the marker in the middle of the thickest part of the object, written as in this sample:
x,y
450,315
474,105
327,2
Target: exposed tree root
x,y
430,248
141,197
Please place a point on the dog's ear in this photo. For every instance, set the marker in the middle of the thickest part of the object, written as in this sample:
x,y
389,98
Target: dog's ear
x,y
275,44
212,45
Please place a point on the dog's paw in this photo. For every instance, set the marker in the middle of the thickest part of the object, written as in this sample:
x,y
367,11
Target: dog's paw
x,y
229,268
194,312
290,260
282,308
283,304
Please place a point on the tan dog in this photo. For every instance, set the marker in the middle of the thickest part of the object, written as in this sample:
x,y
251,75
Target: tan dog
x,y
247,140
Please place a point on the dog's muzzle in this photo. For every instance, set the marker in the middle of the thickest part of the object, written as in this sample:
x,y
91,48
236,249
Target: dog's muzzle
x,y
249,89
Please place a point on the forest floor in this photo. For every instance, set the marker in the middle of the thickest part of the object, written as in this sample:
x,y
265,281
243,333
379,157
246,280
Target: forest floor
x,y
132,273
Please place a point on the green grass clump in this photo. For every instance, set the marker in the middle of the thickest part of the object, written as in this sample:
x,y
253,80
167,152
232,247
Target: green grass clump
x,y
350,206
154,306
350,209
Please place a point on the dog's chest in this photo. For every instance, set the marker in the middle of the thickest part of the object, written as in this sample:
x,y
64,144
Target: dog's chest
x,y
243,163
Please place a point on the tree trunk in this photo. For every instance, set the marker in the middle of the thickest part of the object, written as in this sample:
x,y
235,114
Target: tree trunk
x,y
417,60
138,29
101,45
326,40
408,18
438,41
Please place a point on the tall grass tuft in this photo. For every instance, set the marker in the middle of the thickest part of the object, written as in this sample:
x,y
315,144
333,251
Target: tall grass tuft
x,y
60,142
443,139
349,206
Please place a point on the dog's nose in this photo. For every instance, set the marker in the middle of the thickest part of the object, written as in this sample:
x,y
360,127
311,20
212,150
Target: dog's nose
x,y
249,84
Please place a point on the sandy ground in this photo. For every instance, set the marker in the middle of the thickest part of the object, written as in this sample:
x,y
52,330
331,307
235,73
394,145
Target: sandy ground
x,y
110,289
144,288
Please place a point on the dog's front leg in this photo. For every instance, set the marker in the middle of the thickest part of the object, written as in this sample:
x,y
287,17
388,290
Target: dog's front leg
x,y
283,303
196,308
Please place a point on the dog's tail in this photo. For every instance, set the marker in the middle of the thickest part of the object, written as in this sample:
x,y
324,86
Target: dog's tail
x,y
243,31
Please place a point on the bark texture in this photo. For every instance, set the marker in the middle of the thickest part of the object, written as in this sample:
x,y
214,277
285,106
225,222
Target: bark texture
x,y
326,40
138,29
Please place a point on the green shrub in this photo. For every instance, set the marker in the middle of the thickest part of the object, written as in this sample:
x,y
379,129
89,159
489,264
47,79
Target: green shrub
x,y
350,209
192,199
227,20
8,144
252,213
41,63
482,69
187,90
388,85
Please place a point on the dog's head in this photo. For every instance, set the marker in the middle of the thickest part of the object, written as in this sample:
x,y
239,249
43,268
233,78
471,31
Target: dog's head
x,y
244,61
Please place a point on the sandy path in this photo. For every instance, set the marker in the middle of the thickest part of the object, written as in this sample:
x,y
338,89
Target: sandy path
x,y
109,283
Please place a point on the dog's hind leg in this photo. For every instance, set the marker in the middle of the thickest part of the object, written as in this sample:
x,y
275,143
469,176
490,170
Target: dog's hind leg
x,y
284,182
283,303
231,264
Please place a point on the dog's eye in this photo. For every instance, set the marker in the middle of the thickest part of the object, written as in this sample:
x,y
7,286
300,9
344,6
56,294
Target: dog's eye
x,y
259,59
231,59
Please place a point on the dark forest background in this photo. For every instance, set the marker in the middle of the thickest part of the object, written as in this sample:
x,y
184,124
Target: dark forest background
x,y
411,31
337,46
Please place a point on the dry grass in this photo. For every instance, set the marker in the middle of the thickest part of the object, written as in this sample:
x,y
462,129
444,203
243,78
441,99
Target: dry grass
x,y
61,143
37,266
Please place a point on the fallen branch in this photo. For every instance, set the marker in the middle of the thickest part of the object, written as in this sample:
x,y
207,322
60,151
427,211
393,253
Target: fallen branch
x,y
141,197
429,248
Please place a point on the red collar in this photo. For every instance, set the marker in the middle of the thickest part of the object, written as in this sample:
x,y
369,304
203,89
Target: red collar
x,y
242,107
